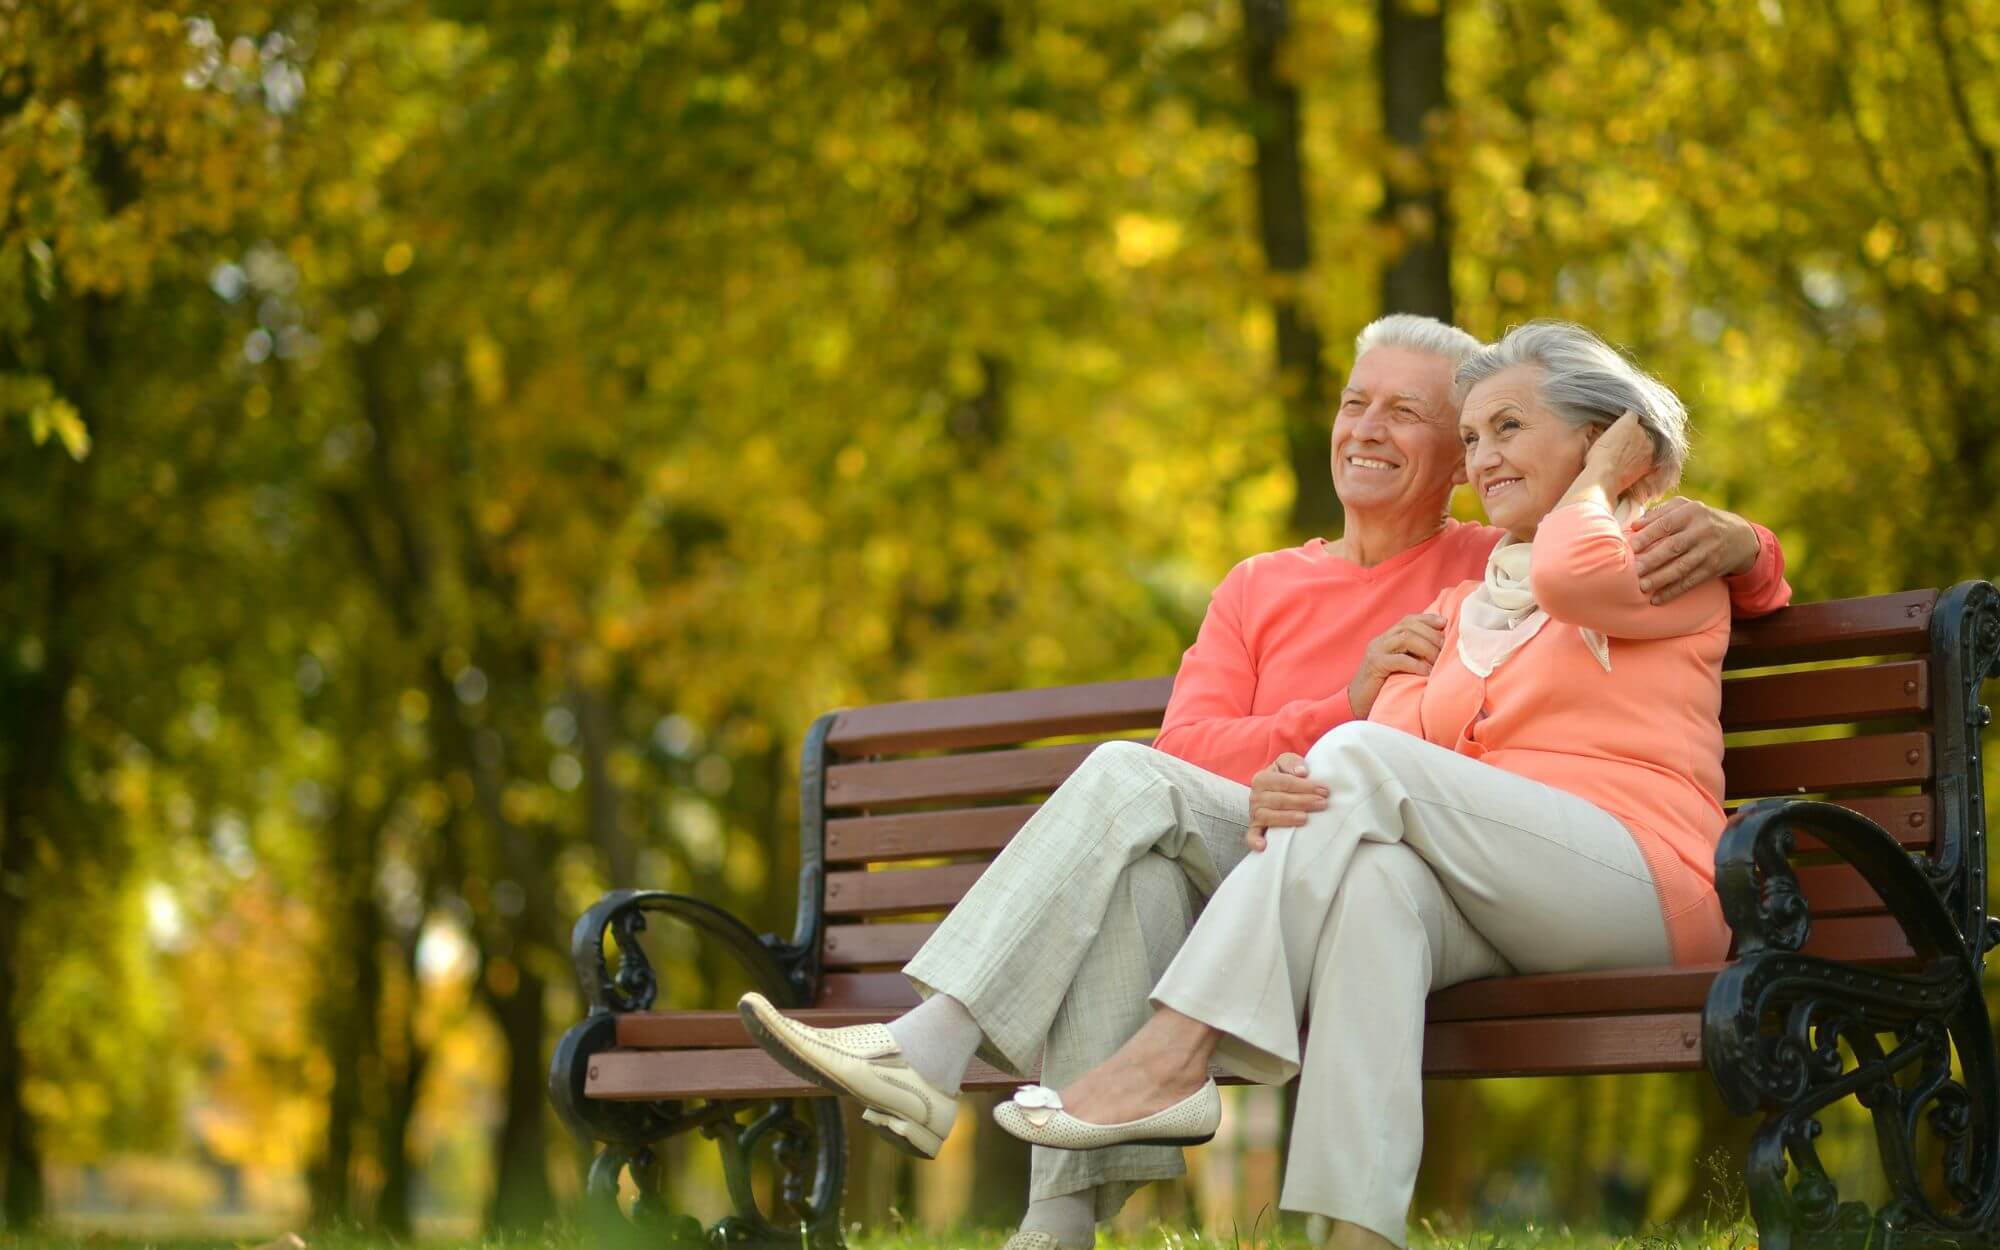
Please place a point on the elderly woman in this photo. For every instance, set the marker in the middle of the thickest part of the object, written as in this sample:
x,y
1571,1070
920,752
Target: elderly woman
x,y
1049,960
1546,799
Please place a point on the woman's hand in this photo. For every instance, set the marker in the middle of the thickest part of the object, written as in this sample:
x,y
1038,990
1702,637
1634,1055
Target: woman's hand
x,y
1282,796
1622,456
1411,645
1620,459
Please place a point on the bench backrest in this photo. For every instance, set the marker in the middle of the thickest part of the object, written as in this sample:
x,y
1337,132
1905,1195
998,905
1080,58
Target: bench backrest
x,y
906,803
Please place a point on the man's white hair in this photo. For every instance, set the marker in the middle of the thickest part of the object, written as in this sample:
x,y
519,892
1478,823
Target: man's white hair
x,y
1418,333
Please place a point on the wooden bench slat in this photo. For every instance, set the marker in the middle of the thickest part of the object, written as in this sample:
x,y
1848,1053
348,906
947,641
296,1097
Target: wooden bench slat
x,y
1834,891
723,1030
1838,890
1858,940
1616,991
1873,938
1625,991
1830,764
880,990
1008,716
919,835
1904,817
1838,629
1544,1046
646,1075
1563,1045
987,775
902,890
875,945
1831,889
985,830
1826,696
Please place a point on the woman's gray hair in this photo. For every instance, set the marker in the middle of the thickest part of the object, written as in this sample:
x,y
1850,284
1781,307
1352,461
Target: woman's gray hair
x,y
1418,333
1587,382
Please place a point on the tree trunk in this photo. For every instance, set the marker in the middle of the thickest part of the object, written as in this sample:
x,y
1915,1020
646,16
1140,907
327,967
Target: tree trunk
x,y
1721,1154
1450,1171
1411,60
394,1215
1000,1169
404,1064
30,783
521,1197
350,1009
21,1193
1284,230
330,1176
595,738
20,1170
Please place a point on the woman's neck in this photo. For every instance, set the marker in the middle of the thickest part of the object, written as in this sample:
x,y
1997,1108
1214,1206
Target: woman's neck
x,y
1369,540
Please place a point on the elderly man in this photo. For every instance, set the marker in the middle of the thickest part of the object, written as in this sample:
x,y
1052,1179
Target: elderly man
x,y
1295,642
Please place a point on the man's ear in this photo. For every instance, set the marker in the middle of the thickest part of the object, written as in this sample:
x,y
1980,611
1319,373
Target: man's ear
x,y
1459,476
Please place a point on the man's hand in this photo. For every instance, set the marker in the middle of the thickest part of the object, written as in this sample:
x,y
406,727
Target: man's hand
x,y
1409,646
1682,544
1282,796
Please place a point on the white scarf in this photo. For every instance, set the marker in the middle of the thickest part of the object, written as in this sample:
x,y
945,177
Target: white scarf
x,y
1500,617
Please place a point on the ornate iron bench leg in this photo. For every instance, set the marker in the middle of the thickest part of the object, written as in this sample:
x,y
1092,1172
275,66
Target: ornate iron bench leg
x,y
802,1138
1776,1023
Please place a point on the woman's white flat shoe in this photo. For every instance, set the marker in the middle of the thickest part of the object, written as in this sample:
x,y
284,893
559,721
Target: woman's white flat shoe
x,y
1035,1114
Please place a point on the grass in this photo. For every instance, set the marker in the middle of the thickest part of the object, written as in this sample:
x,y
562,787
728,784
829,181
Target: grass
x,y
1735,1237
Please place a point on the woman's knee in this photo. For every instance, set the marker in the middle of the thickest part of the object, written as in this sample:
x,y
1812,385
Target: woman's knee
x,y
1389,894
1340,746
1390,874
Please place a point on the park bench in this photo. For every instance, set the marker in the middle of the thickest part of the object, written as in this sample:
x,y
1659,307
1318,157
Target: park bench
x,y
1853,873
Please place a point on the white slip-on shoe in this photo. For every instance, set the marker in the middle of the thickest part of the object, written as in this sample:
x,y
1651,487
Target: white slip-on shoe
x,y
1024,1240
861,1062
1035,1115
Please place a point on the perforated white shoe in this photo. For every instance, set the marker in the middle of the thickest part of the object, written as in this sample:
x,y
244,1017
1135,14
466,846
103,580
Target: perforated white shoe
x,y
1035,1114
1024,1240
861,1062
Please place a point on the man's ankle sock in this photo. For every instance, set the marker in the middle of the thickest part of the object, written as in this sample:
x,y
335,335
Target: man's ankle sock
x,y
1070,1218
937,1040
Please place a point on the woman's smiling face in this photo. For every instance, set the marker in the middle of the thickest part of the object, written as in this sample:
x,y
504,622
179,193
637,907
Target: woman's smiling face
x,y
1520,457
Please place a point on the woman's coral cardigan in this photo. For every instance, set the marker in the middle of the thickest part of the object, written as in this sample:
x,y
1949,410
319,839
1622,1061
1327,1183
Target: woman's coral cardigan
x,y
1642,741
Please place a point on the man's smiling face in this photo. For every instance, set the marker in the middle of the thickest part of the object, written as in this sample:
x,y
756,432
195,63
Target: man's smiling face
x,y
1395,438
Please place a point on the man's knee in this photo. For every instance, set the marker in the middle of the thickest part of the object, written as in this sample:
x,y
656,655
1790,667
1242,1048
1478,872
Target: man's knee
x,y
1119,758
1122,767
1161,889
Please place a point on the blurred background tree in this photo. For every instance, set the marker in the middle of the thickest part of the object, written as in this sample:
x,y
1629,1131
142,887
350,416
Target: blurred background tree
x,y
451,451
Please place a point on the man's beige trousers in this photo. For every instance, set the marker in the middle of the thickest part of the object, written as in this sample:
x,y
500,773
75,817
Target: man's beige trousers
x,y
1057,946
1468,871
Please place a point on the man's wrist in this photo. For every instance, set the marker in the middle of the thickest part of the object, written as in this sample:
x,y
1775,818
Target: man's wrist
x,y
1751,545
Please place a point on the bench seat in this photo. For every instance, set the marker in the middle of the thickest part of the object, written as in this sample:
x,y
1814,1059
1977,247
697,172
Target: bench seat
x,y
1624,1020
